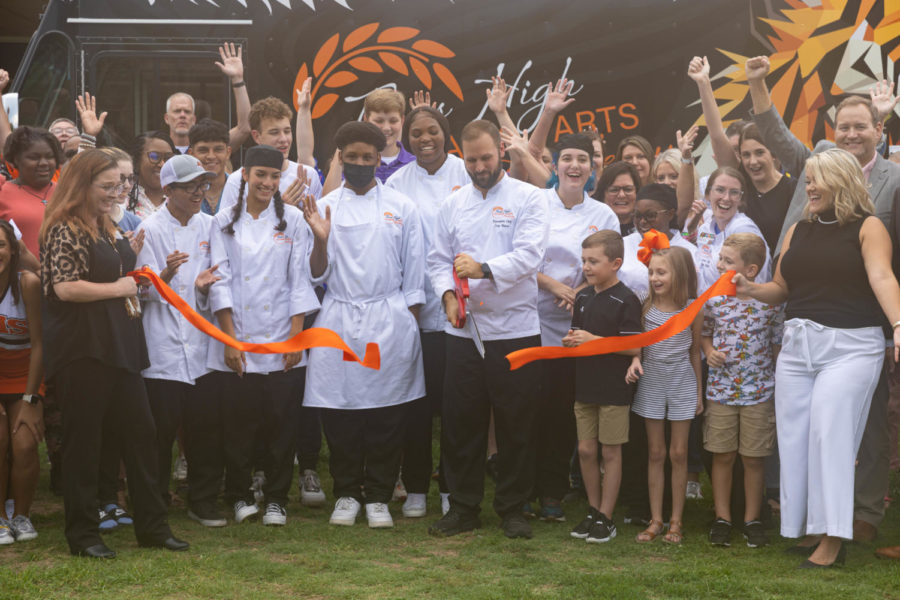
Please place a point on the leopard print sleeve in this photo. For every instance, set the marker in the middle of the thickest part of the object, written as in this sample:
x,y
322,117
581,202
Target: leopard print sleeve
x,y
65,257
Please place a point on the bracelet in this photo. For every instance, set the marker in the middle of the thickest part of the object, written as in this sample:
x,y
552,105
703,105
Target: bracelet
x,y
895,324
87,137
239,84
687,161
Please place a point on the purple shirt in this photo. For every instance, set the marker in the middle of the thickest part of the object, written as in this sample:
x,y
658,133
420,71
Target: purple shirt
x,y
385,170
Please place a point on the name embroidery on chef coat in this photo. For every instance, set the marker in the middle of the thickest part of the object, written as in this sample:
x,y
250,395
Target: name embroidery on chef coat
x,y
392,218
204,247
502,217
280,238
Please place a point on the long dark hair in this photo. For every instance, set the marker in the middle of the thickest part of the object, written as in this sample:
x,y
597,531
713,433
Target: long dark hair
x,y
137,152
239,206
13,286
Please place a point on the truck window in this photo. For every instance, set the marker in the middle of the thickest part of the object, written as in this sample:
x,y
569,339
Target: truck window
x,y
46,92
133,87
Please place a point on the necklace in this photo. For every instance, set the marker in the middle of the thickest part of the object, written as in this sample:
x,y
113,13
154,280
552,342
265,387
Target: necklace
x,y
132,304
43,198
819,219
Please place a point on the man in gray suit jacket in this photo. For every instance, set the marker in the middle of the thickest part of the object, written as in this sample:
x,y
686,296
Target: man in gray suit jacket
x,y
858,127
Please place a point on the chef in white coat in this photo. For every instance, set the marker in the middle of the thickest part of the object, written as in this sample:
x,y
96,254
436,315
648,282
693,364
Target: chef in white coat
x,y
181,391
427,181
369,253
261,251
573,215
494,232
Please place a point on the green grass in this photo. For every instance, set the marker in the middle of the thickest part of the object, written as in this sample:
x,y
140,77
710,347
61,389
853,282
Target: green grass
x,y
311,559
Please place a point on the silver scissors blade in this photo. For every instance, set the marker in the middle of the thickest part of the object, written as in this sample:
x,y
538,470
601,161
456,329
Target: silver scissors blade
x,y
476,336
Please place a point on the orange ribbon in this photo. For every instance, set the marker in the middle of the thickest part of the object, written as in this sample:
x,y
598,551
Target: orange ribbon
x,y
316,337
674,325
653,240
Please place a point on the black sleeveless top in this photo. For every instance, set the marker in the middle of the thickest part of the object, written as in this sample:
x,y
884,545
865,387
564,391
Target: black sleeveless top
x,y
826,276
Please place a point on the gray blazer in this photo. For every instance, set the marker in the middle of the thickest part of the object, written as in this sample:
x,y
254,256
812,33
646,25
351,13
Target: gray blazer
x,y
884,180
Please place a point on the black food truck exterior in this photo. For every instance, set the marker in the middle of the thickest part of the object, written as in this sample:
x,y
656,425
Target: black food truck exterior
x,y
628,60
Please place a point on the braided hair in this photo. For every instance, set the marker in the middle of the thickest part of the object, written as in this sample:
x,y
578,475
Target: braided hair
x,y
137,151
13,266
238,208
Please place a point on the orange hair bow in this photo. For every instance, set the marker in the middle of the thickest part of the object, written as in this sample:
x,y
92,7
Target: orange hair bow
x,y
653,240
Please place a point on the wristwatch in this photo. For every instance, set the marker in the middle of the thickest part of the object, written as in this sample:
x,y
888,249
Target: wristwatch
x,y
486,271
32,399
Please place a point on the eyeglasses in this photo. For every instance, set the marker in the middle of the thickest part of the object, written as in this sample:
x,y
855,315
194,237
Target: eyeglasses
x,y
62,130
128,179
110,188
158,157
734,194
624,189
192,188
650,215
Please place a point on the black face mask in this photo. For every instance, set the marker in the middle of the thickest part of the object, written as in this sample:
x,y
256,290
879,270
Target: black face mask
x,y
359,176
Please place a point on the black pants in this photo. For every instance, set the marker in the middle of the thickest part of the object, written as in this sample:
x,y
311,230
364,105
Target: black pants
x,y
365,447
417,459
264,404
309,438
196,409
89,390
472,387
554,429
110,461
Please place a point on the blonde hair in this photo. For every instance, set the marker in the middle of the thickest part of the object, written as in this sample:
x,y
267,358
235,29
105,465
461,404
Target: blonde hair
x,y
268,108
672,157
684,276
384,100
117,154
750,246
838,172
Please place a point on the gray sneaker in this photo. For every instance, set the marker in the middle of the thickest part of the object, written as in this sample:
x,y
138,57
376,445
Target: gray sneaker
x,y
22,529
6,536
311,493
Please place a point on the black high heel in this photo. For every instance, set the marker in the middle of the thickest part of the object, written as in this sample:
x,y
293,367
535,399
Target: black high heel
x,y
802,550
839,560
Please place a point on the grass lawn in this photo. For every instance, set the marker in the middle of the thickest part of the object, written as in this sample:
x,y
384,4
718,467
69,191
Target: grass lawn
x,y
311,559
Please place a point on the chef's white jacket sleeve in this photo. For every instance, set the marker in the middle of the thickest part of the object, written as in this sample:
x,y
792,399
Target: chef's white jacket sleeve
x,y
413,253
440,256
220,292
146,257
303,296
529,242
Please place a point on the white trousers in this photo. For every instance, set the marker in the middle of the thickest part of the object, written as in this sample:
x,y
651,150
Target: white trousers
x,y
824,380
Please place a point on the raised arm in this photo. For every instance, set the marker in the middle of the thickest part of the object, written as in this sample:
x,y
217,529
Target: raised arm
x,y
335,173
523,165
306,140
698,70
91,123
232,66
556,101
497,99
684,188
790,151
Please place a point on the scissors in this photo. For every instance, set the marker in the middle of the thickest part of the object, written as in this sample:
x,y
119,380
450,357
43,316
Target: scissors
x,y
465,316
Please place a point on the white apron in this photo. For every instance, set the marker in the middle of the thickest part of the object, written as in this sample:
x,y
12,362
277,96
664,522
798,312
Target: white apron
x,y
364,303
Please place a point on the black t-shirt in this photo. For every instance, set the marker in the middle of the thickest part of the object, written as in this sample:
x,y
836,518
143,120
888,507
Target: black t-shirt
x,y
768,210
614,311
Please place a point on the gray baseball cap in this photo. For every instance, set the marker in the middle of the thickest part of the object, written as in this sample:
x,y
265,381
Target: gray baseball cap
x,y
182,168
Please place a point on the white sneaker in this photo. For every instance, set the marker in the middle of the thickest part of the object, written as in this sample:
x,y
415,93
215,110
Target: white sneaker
x,y
258,481
179,473
693,491
445,502
243,511
414,505
22,529
275,514
399,491
6,536
345,511
311,493
378,515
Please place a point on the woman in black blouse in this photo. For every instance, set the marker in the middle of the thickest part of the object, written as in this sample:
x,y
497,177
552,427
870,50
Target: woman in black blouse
x,y
835,274
95,350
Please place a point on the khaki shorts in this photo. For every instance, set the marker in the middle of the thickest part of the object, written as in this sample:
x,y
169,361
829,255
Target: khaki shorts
x,y
749,430
606,424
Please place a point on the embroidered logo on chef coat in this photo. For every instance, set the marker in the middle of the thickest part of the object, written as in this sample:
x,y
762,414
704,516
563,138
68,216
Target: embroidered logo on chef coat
x,y
392,218
593,229
204,247
502,217
280,238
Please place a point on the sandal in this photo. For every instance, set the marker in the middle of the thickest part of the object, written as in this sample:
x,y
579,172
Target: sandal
x,y
654,528
675,535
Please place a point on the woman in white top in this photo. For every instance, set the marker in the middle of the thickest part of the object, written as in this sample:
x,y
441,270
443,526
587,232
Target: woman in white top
x,y
724,192
573,216
427,181
261,248
148,154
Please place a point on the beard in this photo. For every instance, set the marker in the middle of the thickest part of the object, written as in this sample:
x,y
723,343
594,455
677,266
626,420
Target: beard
x,y
485,181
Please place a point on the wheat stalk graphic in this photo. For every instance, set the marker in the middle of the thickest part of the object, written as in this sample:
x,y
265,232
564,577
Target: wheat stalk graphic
x,y
393,48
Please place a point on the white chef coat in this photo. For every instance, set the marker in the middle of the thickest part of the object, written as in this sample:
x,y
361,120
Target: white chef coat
x,y
428,192
375,272
508,230
633,273
288,176
177,350
562,259
709,242
264,281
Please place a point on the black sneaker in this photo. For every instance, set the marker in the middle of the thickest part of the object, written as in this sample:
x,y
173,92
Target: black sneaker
x,y
755,534
514,525
582,530
720,533
602,530
456,521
